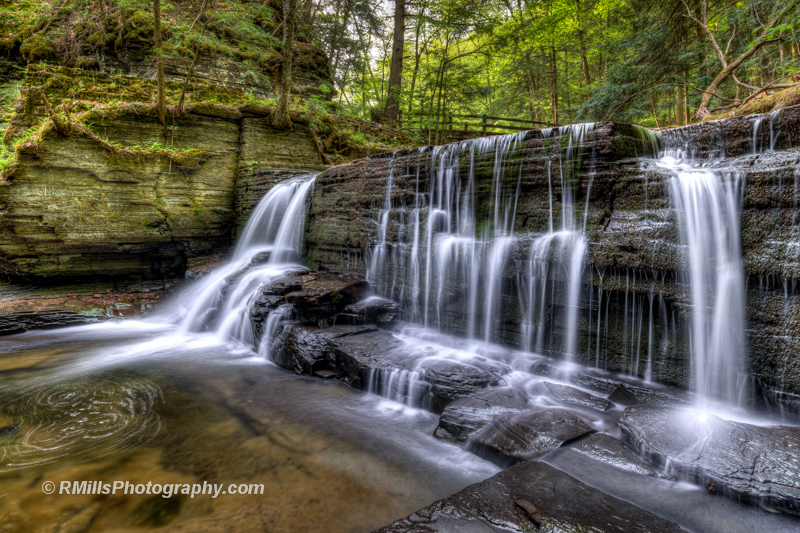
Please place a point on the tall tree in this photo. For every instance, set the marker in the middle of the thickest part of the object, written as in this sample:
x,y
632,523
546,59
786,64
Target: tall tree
x,y
281,117
396,68
161,107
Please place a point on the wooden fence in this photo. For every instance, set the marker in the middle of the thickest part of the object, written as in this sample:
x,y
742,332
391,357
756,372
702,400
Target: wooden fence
x,y
453,127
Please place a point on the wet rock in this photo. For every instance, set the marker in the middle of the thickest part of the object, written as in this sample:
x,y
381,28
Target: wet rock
x,y
623,395
521,436
11,323
606,385
750,463
324,295
452,381
372,310
465,417
609,450
511,499
578,397
369,358
304,351
534,515
271,298
348,351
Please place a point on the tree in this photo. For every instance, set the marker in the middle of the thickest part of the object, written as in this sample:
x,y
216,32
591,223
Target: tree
x,y
161,107
765,37
396,69
281,117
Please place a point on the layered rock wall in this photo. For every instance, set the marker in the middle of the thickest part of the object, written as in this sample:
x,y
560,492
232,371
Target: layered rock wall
x,y
634,302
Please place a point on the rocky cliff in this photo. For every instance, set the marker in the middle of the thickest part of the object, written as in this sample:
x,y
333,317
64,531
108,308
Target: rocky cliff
x,y
104,191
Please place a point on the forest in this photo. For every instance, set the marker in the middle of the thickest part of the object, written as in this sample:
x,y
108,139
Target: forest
x,y
653,62
427,65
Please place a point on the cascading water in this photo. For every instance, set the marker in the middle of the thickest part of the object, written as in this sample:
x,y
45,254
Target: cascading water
x,y
268,248
456,258
708,204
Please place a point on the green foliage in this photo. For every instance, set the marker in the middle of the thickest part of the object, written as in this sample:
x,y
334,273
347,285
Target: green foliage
x,y
562,61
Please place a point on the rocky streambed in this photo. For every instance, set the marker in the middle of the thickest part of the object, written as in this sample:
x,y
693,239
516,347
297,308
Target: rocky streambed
x,y
518,409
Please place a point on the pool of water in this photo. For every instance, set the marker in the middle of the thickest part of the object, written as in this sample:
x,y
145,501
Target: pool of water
x,y
142,402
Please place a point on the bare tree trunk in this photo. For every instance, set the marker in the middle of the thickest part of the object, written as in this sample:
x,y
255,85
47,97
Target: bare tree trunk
x,y
417,56
161,107
554,88
186,82
281,117
587,76
396,69
680,105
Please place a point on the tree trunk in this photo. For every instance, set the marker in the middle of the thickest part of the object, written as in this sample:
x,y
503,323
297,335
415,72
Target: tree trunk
x,y
161,107
680,105
396,69
281,117
554,88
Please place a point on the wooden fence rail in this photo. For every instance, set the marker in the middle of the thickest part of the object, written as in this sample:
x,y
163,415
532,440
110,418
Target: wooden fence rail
x,y
447,128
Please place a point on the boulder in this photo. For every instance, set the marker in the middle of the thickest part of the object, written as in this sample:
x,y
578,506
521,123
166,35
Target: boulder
x,y
324,295
372,310
514,437
451,381
465,417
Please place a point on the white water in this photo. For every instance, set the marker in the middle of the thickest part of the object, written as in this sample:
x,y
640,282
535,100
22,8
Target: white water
x,y
454,250
708,204
268,248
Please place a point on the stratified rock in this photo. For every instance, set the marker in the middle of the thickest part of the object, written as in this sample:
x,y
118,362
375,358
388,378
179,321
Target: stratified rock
x,y
324,295
369,358
11,323
511,500
521,436
465,417
304,351
452,380
609,450
578,397
751,463
372,310
606,385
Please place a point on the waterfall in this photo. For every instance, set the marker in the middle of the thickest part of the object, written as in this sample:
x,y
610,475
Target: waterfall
x,y
454,250
708,204
268,248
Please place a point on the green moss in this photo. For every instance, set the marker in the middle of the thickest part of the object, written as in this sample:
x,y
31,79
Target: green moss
x,y
37,47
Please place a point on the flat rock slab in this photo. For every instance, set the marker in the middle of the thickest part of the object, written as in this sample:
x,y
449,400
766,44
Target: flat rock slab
x,y
607,449
518,497
465,417
751,463
527,435
574,396
370,358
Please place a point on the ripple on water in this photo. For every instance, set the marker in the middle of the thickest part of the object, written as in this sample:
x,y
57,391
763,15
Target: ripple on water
x,y
81,420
